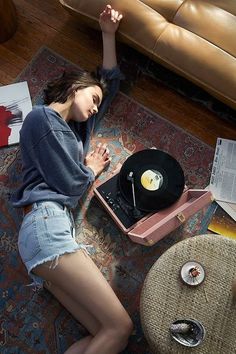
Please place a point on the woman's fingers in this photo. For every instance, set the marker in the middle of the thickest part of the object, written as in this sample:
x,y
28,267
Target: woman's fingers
x,y
102,151
98,159
119,17
110,14
101,148
115,16
106,12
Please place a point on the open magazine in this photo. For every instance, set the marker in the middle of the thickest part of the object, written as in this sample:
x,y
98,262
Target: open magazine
x,y
223,176
15,104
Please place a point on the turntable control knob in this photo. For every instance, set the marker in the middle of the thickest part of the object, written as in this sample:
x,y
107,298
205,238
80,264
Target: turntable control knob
x,y
115,206
107,196
110,201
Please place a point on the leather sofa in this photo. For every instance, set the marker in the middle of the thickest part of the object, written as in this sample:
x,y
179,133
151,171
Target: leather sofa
x,y
194,38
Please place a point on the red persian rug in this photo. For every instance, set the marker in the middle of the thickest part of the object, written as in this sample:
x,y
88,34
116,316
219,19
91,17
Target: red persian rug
x,y
33,321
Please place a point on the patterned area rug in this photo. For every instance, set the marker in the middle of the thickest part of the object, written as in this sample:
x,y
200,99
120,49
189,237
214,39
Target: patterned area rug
x,y
33,321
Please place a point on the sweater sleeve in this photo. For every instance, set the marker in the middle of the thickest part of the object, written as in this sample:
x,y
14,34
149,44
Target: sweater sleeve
x,y
112,77
56,156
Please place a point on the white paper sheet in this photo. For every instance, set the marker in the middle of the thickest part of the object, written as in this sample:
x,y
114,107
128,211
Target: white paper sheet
x,y
223,175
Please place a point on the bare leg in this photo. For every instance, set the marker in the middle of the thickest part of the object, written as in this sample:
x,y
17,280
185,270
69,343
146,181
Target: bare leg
x,y
78,277
80,346
80,314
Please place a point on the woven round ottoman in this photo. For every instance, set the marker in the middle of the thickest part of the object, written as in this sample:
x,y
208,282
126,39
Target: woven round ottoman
x,y
165,298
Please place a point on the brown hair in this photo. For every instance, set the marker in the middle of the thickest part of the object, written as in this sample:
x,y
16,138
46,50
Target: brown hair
x,y
61,88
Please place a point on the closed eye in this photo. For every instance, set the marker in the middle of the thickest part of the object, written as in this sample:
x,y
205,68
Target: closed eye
x,y
96,100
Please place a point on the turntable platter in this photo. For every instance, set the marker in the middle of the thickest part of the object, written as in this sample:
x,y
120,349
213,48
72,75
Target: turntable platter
x,y
151,179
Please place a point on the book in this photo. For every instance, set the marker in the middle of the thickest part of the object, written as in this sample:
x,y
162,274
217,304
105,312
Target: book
x,y
15,104
230,208
222,224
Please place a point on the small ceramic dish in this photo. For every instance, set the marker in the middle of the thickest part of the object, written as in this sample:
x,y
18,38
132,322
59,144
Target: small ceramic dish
x,y
188,332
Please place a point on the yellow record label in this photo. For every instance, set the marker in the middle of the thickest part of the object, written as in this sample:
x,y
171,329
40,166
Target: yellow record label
x,y
151,180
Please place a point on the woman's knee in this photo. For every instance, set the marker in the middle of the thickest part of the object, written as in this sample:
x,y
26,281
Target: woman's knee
x,y
127,326
122,330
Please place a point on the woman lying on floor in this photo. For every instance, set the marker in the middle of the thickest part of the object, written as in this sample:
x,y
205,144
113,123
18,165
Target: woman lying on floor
x,y
57,171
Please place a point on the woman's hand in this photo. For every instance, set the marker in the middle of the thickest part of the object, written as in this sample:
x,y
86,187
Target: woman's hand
x,y
109,20
98,159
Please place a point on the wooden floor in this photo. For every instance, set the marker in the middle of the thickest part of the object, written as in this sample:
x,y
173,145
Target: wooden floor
x,y
45,22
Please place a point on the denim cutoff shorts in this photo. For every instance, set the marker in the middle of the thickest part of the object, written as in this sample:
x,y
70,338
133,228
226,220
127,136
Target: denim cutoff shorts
x,y
46,233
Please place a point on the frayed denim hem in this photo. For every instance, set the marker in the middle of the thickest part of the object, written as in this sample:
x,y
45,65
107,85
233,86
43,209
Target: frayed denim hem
x,y
38,282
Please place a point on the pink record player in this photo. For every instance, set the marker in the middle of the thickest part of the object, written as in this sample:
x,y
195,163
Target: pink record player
x,y
133,196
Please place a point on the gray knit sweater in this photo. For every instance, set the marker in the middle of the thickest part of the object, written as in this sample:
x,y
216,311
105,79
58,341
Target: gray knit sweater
x,y
53,153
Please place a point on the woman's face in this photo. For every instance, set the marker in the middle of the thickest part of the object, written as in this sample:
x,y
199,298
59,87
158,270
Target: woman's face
x,y
85,103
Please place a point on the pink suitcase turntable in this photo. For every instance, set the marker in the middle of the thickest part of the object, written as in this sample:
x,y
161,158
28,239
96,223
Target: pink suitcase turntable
x,y
148,198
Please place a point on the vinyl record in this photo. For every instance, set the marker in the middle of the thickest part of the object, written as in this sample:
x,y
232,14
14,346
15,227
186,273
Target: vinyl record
x,y
152,179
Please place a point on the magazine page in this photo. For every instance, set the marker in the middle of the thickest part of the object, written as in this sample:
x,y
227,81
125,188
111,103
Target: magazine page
x,y
15,104
223,176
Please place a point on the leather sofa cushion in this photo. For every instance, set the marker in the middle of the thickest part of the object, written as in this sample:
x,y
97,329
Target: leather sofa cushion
x,y
195,38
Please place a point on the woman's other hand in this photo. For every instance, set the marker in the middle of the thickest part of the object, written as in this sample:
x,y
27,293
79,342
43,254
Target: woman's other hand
x,y
98,159
109,20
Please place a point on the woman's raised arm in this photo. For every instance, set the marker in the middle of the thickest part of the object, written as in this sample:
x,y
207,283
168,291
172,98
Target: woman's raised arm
x,y
109,22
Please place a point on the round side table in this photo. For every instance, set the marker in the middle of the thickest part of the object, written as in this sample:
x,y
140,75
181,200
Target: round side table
x,y
166,298
8,20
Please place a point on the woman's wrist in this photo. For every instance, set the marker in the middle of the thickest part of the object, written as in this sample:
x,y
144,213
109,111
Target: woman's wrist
x,y
109,50
93,171
109,35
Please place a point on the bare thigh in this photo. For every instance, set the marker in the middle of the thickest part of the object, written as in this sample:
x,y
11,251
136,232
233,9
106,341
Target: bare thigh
x,y
78,277
78,311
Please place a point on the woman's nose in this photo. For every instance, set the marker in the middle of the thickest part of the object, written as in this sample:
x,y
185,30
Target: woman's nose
x,y
95,109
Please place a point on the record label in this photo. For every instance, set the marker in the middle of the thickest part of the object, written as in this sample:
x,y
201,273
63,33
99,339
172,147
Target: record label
x,y
151,180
